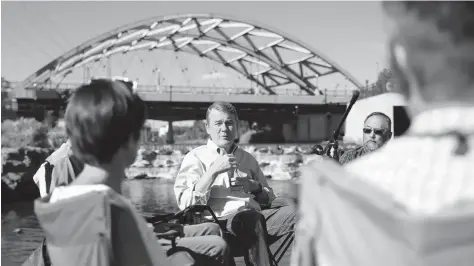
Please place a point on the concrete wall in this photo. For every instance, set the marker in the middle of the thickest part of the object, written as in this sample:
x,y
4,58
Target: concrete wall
x,y
381,103
311,127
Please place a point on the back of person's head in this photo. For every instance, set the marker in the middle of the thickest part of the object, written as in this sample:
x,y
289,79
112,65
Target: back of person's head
x,y
101,118
431,50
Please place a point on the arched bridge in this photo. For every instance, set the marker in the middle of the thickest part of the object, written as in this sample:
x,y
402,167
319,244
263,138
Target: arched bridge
x,y
283,61
286,90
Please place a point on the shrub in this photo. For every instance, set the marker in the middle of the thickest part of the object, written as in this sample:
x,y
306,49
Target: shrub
x,y
22,132
57,136
29,132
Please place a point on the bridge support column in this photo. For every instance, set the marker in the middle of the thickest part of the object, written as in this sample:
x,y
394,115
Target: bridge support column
x,y
169,134
329,128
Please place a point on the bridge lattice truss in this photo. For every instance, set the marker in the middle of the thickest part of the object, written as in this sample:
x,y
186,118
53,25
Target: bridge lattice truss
x,y
232,43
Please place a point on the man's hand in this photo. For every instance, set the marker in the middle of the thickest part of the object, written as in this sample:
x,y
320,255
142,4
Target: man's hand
x,y
162,228
249,185
223,164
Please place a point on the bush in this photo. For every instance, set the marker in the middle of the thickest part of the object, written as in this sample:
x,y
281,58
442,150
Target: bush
x,y
57,136
29,132
22,132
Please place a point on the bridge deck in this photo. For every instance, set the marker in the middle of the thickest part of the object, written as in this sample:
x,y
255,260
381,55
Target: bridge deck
x,y
172,93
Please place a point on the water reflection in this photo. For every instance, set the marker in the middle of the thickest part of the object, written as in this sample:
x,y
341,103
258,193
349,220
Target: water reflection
x,y
147,195
158,195
151,195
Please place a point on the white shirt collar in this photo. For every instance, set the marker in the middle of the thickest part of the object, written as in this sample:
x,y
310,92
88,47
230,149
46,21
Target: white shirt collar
x,y
213,147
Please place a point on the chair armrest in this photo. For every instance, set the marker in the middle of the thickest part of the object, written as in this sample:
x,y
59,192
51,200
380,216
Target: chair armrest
x,y
158,218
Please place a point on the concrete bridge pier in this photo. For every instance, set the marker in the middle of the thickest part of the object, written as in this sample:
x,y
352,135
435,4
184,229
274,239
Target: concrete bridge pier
x,y
169,134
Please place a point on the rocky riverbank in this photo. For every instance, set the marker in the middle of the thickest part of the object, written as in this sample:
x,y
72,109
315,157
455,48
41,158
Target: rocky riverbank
x,y
278,167
278,163
19,166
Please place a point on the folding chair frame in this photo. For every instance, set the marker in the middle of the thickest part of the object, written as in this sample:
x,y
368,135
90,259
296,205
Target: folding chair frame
x,y
183,217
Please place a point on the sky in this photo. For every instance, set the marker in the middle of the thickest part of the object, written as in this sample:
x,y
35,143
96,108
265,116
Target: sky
x,y
34,33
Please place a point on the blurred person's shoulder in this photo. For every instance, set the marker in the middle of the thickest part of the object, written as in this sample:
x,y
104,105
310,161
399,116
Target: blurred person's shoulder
x,y
319,169
395,150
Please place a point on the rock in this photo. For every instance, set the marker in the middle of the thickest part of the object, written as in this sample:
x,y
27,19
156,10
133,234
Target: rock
x,y
140,176
12,179
18,167
149,155
141,163
14,166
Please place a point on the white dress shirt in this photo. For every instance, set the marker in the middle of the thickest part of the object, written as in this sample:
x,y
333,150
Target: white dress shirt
x,y
220,197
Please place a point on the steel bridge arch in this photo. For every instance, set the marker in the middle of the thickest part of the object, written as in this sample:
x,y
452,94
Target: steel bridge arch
x,y
144,35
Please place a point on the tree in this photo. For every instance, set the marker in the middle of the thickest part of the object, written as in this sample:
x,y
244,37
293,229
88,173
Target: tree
x,y
385,77
6,84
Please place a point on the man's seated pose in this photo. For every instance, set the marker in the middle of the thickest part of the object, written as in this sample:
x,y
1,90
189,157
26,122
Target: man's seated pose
x,y
230,181
376,132
103,122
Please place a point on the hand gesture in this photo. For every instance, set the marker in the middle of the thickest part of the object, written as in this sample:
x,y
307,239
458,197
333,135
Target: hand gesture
x,y
224,163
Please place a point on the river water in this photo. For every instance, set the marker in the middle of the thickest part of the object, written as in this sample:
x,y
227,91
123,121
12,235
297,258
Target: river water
x,y
147,195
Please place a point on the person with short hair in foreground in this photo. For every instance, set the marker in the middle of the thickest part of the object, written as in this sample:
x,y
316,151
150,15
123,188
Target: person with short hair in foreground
x,y
103,122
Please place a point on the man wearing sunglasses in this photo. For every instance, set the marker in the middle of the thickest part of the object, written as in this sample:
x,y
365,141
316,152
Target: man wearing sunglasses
x,y
376,132
411,202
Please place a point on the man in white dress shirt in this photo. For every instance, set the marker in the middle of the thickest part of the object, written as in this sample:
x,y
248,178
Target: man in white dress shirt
x,y
230,181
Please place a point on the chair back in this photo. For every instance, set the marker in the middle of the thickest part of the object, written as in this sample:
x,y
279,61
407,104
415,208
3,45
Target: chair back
x,y
98,227
358,224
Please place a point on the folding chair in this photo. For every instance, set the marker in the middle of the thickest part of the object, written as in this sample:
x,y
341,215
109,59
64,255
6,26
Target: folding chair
x,y
185,217
357,223
98,228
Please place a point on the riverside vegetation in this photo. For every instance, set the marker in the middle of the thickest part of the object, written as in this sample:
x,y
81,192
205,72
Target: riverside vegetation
x,y
26,143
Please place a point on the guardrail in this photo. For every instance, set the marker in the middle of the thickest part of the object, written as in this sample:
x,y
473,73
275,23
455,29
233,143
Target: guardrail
x,y
194,90
180,89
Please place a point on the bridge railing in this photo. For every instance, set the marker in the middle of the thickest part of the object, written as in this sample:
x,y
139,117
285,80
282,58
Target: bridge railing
x,y
193,90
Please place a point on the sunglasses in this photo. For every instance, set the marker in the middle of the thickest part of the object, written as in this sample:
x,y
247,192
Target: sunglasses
x,y
377,131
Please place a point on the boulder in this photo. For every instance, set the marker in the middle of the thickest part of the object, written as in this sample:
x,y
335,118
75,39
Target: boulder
x,y
18,167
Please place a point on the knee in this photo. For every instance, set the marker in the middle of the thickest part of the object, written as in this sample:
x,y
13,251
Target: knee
x,y
288,215
213,229
250,216
181,258
219,248
248,224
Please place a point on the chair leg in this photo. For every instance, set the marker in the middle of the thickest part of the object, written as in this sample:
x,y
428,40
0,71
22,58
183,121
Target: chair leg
x,y
283,248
